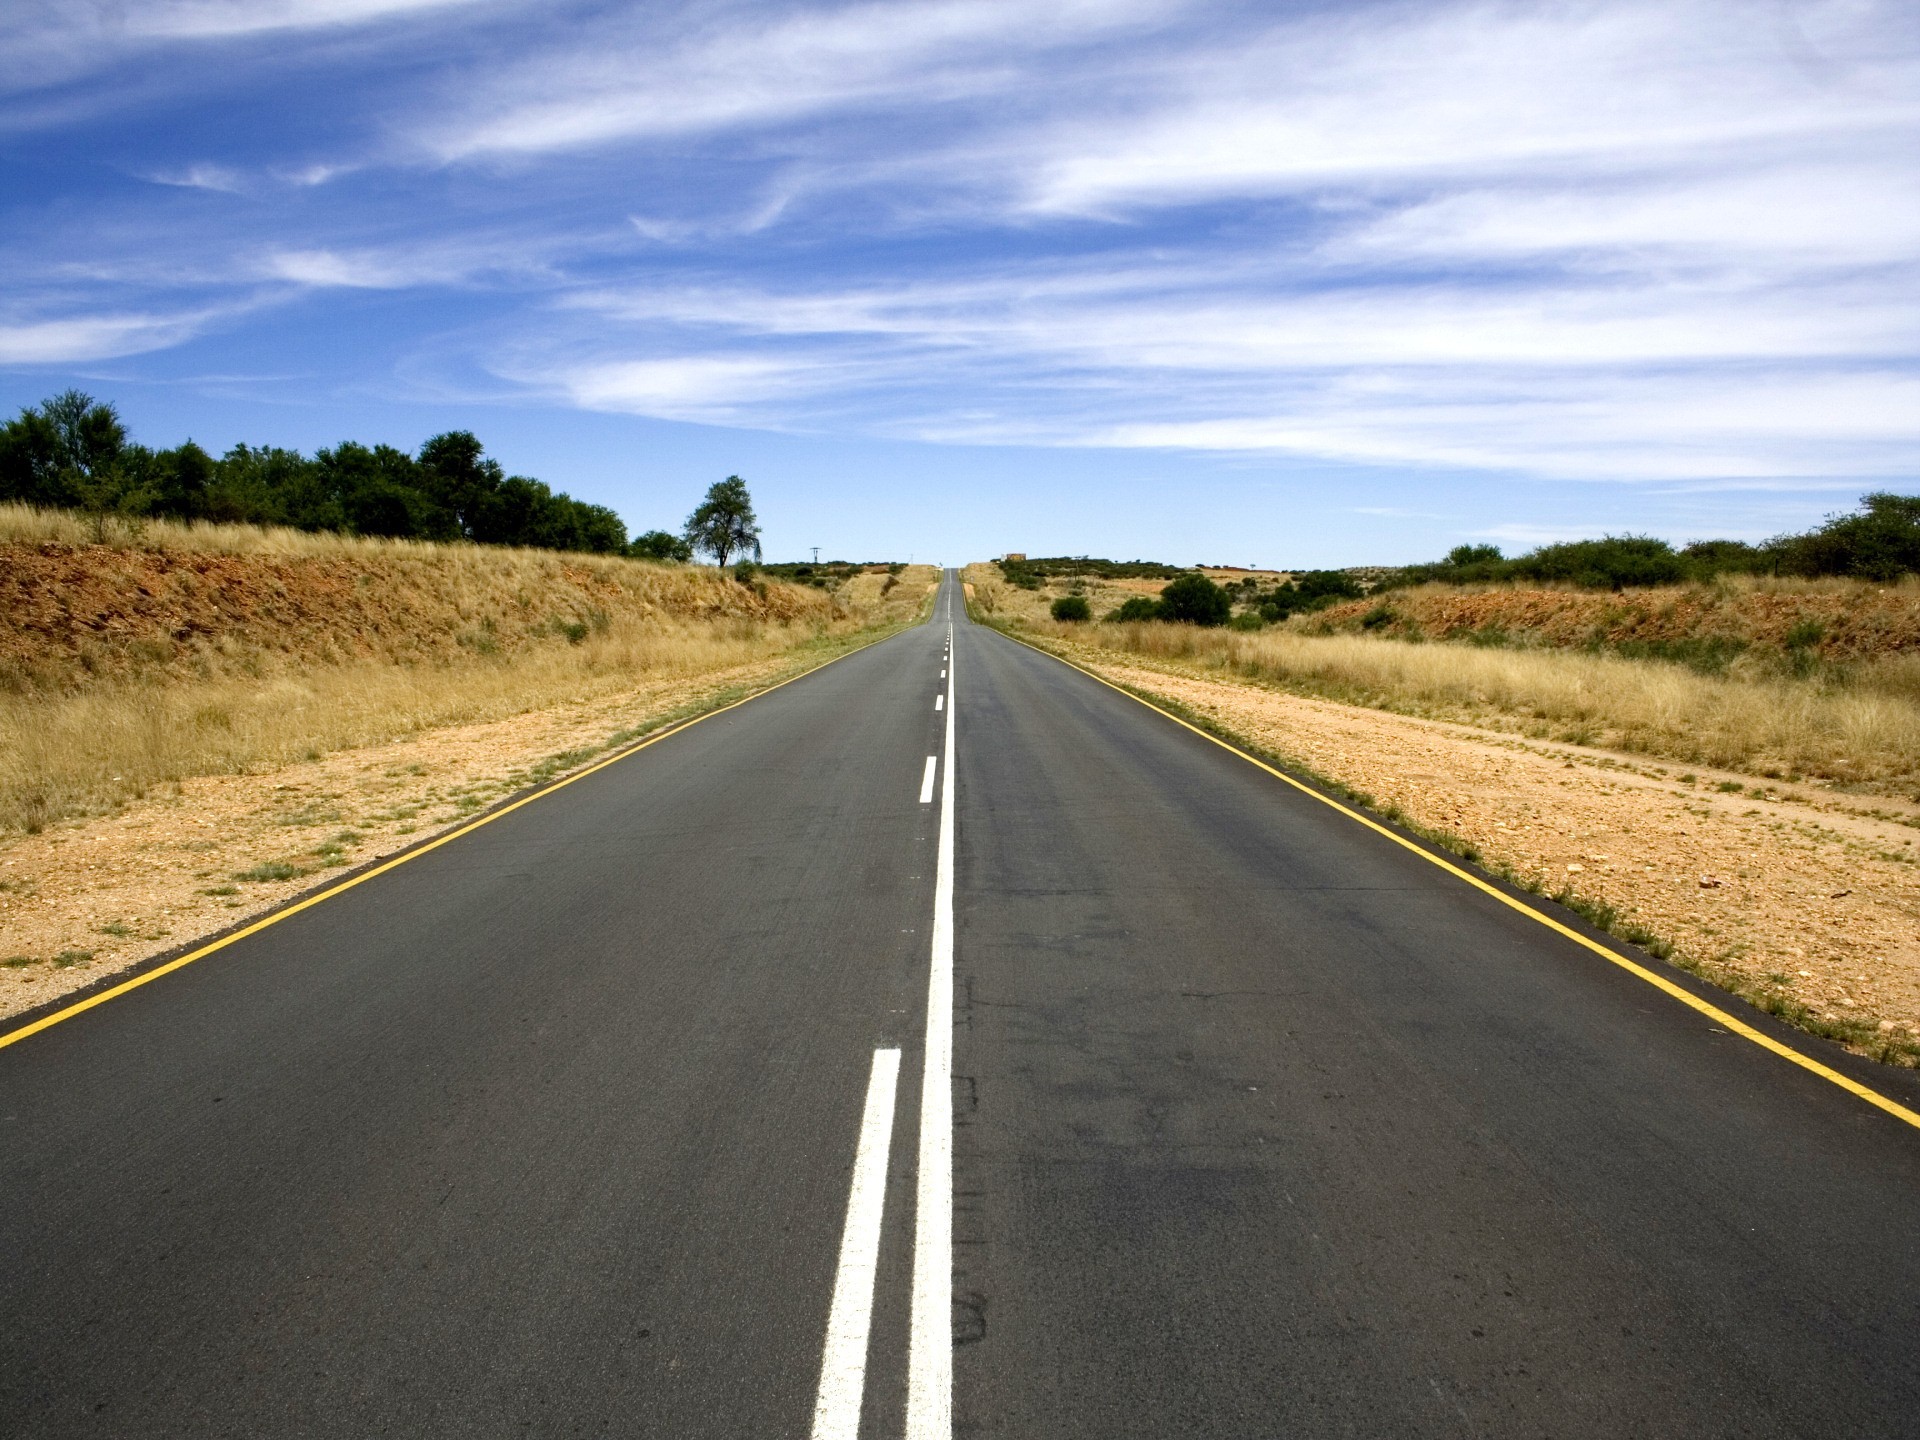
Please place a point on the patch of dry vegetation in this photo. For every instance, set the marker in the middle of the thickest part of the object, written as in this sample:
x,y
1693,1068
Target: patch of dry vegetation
x,y
134,657
1738,622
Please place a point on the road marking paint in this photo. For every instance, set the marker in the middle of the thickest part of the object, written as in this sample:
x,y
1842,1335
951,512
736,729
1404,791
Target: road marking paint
x,y
930,1343
926,780
1659,982
147,977
939,702
943,674
843,1363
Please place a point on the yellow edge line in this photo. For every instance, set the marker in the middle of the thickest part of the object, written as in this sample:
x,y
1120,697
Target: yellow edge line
x,y
147,977
1658,981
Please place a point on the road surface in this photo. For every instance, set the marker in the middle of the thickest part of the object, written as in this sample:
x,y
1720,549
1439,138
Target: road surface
x,y
620,1115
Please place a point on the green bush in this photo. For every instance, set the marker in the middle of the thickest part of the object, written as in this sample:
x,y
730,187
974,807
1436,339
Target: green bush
x,y
660,545
1072,607
1018,572
1314,590
1612,562
1880,543
1136,608
1195,600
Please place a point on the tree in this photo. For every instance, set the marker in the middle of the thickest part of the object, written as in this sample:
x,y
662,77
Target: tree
x,y
65,453
1195,600
659,545
724,524
457,476
1882,542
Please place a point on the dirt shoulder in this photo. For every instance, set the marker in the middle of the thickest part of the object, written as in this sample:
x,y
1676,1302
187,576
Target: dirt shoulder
x,y
1799,899
86,899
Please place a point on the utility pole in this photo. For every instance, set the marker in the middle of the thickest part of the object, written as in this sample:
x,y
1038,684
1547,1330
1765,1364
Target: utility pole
x,y
816,554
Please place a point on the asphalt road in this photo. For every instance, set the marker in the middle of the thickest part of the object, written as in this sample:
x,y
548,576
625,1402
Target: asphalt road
x,y
608,1119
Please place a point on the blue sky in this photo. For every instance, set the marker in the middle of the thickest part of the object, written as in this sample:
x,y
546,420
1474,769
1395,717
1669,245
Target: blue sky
x,y
1243,283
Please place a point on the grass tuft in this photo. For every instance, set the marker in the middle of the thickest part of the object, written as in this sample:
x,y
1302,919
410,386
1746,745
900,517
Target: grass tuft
x,y
270,870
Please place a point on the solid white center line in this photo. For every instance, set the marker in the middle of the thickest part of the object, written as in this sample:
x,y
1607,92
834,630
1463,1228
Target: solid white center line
x,y
926,780
930,1343
843,1366
939,702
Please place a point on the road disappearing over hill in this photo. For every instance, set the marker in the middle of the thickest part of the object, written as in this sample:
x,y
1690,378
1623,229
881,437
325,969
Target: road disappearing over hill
x,y
940,1044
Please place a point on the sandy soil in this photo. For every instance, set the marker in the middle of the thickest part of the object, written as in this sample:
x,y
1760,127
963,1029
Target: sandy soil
x,y
1788,889
85,899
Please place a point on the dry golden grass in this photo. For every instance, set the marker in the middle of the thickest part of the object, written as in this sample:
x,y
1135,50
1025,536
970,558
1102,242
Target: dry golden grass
x,y
131,660
26,525
62,755
1856,735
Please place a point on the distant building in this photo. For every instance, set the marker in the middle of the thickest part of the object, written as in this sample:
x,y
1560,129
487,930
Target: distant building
x,y
1014,555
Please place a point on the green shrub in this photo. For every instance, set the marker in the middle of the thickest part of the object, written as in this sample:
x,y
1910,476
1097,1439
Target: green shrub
x,y
1136,608
1195,600
1018,572
1249,621
1072,607
659,545
1313,590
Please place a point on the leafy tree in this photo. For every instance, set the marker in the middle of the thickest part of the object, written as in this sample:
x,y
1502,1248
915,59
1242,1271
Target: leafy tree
x,y
659,545
177,483
378,492
1462,556
66,452
724,523
1882,542
1195,600
458,477
1072,607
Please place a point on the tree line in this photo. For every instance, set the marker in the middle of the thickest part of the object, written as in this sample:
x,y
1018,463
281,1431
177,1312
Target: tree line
x,y
72,452
1878,541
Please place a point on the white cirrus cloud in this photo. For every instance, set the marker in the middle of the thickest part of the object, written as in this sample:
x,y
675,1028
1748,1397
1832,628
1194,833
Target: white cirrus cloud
x,y
650,73
68,339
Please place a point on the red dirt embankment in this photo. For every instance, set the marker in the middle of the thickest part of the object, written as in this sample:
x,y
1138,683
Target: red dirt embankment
x,y
1854,620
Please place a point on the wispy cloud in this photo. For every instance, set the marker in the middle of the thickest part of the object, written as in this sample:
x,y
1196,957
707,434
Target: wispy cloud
x,y
103,336
223,179
651,72
218,19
